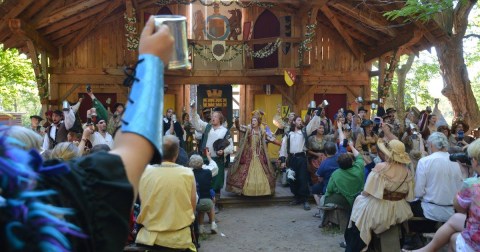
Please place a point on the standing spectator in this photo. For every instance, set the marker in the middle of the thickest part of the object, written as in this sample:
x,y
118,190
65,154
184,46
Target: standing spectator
x,y
203,177
171,126
437,181
99,137
35,124
168,194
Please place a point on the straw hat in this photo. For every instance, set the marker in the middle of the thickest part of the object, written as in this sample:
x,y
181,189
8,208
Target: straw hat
x,y
395,151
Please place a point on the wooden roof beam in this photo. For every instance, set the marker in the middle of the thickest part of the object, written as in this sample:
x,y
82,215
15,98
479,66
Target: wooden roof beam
x,y
338,26
68,11
25,31
373,20
20,6
361,28
401,40
74,20
114,4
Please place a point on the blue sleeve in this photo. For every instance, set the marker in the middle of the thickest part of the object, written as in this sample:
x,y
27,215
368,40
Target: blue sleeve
x,y
342,149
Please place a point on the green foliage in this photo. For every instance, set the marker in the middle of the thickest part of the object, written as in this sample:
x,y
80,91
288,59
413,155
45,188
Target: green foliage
x,y
18,90
422,10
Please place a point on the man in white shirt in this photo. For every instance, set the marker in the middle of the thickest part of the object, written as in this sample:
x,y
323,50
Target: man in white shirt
x,y
437,181
213,131
101,136
293,149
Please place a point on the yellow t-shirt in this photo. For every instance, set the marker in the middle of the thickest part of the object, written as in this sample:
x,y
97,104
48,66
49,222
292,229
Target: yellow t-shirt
x,y
166,211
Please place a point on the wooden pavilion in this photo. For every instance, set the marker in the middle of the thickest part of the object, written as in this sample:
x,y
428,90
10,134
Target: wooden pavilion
x,y
329,45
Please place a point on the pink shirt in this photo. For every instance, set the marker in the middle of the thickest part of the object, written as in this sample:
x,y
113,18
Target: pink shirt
x,y
469,198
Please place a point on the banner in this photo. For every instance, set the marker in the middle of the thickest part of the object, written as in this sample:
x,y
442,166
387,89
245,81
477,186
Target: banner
x,y
290,77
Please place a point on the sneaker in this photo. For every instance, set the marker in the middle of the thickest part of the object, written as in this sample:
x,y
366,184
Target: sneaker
x,y
306,206
214,228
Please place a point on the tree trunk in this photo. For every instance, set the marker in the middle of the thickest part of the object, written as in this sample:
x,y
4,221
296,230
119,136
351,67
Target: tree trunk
x,y
456,83
401,77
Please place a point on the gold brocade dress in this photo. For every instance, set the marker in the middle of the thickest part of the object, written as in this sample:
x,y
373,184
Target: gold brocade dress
x,y
256,183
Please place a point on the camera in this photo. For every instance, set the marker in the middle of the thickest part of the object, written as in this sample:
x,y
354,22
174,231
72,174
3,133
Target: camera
x,y
89,121
460,157
460,135
89,88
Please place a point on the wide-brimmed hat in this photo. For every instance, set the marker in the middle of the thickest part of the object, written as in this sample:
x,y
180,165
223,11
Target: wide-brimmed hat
x,y
36,116
390,110
394,150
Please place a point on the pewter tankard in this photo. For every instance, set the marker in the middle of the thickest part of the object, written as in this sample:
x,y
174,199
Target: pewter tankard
x,y
178,29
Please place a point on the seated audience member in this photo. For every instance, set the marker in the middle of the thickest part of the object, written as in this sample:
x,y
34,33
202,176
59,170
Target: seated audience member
x,y
461,230
345,183
84,204
25,140
203,177
169,198
99,148
437,181
65,151
329,165
383,202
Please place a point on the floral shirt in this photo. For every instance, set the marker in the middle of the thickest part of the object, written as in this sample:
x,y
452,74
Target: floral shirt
x,y
469,198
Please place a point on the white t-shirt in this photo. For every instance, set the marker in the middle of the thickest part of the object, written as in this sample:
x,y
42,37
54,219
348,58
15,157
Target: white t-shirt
x,y
97,138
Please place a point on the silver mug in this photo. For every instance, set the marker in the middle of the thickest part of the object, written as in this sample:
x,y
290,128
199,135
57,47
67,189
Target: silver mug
x,y
324,103
359,99
380,100
178,29
313,104
374,106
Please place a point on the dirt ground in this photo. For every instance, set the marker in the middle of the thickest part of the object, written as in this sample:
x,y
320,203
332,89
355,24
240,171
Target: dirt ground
x,y
270,228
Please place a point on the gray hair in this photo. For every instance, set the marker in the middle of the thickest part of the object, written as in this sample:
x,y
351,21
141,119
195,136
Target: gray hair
x,y
28,138
171,146
474,150
196,161
439,140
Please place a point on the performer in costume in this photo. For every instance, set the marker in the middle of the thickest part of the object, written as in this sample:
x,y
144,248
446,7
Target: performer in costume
x,y
252,173
93,193
213,131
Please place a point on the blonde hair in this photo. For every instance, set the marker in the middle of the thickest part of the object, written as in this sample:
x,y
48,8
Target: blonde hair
x,y
474,150
65,151
28,138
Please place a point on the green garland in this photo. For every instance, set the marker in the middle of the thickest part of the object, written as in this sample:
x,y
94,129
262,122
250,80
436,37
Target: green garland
x,y
204,3
304,45
268,50
131,31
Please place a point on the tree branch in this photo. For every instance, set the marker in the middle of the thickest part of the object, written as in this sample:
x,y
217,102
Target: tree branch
x,y
472,35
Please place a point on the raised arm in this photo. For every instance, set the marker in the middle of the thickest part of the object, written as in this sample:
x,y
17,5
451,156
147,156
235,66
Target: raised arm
x,y
140,140
197,123
69,118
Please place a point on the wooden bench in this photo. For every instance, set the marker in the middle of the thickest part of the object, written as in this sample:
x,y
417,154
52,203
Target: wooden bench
x,y
335,215
387,241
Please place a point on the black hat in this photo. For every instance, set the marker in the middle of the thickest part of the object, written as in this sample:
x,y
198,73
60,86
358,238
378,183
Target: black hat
x,y
58,112
115,106
390,110
367,123
36,116
386,115
217,109
362,109
349,111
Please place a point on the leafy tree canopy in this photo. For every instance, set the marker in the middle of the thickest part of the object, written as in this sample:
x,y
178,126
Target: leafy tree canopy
x,y
18,90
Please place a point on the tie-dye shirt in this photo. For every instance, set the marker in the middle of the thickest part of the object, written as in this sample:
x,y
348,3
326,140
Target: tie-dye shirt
x,y
469,198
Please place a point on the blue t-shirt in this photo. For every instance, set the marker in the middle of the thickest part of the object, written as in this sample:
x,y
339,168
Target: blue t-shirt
x,y
328,166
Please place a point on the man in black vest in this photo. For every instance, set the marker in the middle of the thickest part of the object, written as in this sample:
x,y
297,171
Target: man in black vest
x,y
57,132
